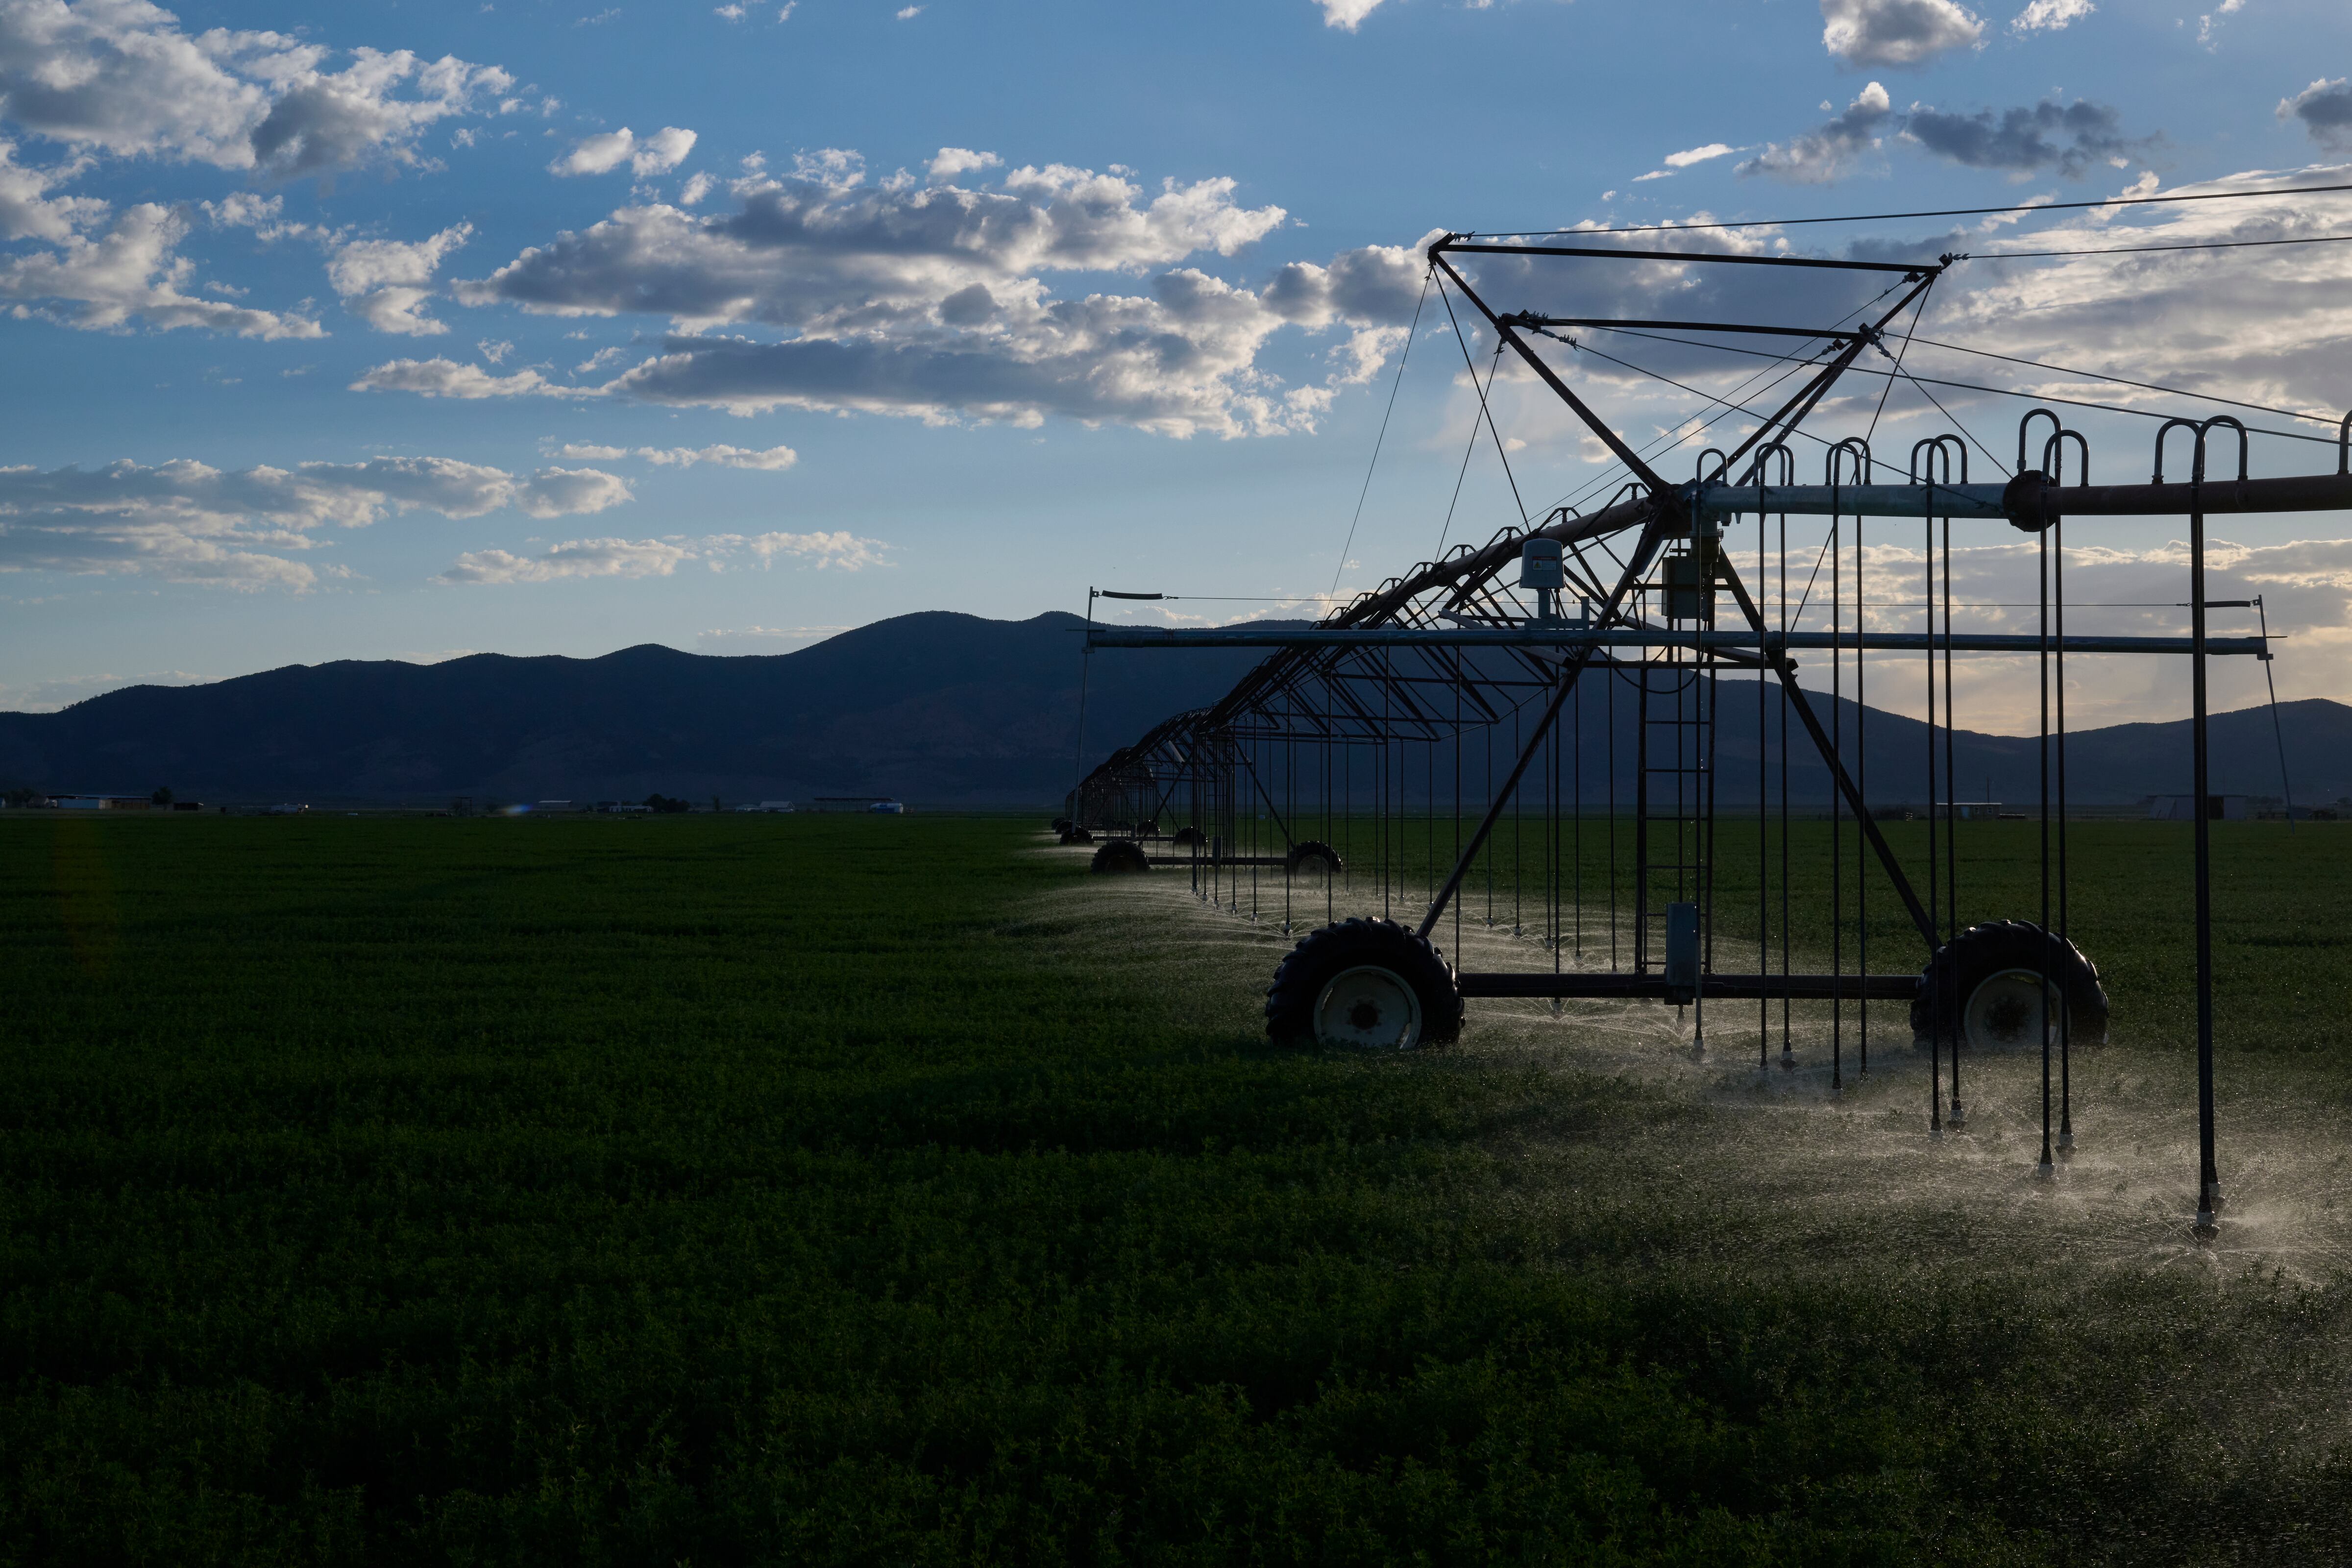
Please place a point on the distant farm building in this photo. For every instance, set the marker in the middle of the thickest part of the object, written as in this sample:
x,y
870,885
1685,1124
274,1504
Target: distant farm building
x,y
873,803
2183,808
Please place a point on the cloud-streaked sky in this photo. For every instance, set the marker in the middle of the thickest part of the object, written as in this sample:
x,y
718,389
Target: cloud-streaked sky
x,y
389,331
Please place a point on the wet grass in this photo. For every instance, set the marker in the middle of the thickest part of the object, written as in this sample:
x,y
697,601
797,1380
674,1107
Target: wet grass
x,y
874,1191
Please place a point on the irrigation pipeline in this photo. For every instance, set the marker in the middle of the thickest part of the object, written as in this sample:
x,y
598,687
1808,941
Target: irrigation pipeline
x,y
1587,738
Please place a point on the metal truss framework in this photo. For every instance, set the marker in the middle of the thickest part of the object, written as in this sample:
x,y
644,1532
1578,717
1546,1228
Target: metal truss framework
x,y
1449,655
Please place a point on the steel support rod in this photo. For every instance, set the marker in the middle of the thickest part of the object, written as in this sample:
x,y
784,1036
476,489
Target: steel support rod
x,y
2031,499
1568,637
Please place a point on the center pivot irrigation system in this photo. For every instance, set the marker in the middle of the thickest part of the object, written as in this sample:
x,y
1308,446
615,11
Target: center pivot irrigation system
x,y
1427,746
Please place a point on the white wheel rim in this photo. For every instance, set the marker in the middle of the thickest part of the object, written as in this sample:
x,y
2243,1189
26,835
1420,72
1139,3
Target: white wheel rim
x,y
1369,1008
2005,1011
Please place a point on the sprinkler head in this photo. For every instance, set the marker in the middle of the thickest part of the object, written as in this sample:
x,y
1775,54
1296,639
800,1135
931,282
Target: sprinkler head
x,y
2046,1171
2204,1229
2214,1196
2065,1142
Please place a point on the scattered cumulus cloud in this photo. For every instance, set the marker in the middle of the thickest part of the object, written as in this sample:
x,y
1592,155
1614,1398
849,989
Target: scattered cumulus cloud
x,y
49,696
1684,160
2209,24
759,639
771,460
934,300
105,278
2051,16
2068,138
1347,14
453,378
601,154
110,80
1827,152
386,282
623,558
1896,32
122,78
2324,109
187,521
953,163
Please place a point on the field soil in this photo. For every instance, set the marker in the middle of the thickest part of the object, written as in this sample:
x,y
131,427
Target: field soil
x,y
889,1190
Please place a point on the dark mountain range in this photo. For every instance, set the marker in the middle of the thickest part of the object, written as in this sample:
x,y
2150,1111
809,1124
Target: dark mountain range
x,y
937,709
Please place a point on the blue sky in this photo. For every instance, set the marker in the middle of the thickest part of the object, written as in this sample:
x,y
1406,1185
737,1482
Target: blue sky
x,y
363,332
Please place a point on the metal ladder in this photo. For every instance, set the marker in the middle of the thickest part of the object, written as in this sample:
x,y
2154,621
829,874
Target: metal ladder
x,y
1674,767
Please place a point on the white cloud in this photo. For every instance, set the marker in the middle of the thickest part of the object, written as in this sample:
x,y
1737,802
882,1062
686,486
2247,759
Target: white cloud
x,y
2051,16
839,549
2205,24
660,152
27,211
1699,154
696,189
120,77
601,154
449,378
732,13
385,283
107,278
573,558
571,492
932,301
759,639
186,522
49,696
954,162
1347,13
662,557
2274,327
1826,154
1896,32
2324,108
772,459
909,13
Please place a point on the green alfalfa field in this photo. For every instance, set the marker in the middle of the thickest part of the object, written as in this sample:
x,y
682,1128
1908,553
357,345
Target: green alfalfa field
x,y
888,1190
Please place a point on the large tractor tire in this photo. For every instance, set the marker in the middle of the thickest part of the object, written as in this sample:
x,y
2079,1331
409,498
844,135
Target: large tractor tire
x,y
1984,989
1190,838
1368,984
1074,835
1121,857
1312,852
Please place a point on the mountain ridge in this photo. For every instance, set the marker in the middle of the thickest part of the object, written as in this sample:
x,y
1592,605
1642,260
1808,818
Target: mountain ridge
x,y
937,707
